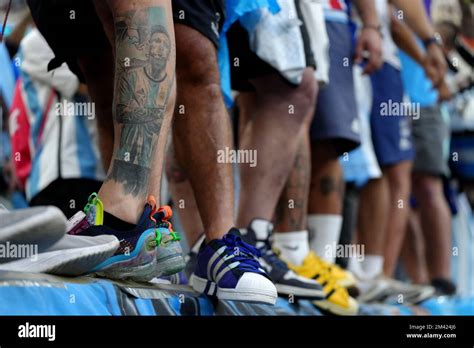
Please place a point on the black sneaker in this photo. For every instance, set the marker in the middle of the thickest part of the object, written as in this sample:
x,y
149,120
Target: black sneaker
x,y
287,282
444,287
191,258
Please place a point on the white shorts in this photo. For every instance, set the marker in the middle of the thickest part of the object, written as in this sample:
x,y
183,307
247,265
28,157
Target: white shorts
x,y
361,165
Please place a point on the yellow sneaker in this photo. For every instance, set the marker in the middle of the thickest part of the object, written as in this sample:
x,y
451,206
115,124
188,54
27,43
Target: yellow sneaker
x,y
313,265
331,277
337,301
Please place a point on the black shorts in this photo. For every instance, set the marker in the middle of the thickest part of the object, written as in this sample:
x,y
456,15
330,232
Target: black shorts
x,y
73,29
250,65
205,16
69,195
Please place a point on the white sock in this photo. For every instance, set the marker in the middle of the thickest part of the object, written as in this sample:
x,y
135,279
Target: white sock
x,y
262,228
355,267
325,231
294,246
366,269
372,266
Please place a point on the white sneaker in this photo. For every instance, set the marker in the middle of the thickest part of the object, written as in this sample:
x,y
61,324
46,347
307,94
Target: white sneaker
x,y
383,289
401,292
37,226
70,256
372,290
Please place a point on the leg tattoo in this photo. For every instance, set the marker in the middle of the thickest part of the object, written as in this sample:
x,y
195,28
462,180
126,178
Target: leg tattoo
x,y
142,90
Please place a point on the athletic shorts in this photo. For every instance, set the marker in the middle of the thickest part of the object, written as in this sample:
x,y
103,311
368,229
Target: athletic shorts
x,y
69,195
391,130
336,110
361,165
84,35
250,65
430,137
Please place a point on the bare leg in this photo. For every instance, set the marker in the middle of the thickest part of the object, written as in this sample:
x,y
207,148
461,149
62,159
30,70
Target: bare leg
x,y
413,251
373,214
201,128
327,184
292,209
272,130
141,117
399,180
183,196
436,224
325,200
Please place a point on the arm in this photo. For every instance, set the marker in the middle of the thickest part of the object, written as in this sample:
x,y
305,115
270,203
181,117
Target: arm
x,y
405,40
369,38
415,16
13,40
444,93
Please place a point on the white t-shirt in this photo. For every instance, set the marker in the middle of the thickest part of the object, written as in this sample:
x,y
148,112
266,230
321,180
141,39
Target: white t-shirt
x,y
334,10
389,48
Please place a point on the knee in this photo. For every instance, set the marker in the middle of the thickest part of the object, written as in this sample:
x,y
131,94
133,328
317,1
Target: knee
x,y
399,187
303,97
399,181
428,190
198,67
197,71
196,58
212,93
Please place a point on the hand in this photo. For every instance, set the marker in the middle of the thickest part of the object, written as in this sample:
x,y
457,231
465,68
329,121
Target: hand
x,y
435,64
444,92
369,41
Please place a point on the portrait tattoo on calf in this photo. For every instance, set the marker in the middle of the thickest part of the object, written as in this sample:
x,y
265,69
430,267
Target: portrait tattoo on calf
x,y
143,86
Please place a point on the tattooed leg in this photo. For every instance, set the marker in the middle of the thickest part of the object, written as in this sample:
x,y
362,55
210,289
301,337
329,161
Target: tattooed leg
x,y
144,95
292,208
327,184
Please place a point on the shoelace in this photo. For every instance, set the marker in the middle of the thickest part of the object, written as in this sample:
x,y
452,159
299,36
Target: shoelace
x,y
312,261
326,280
164,215
94,200
161,216
246,253
325,264
309,265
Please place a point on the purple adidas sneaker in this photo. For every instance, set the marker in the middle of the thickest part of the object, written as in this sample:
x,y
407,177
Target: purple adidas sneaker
x,y
229,269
